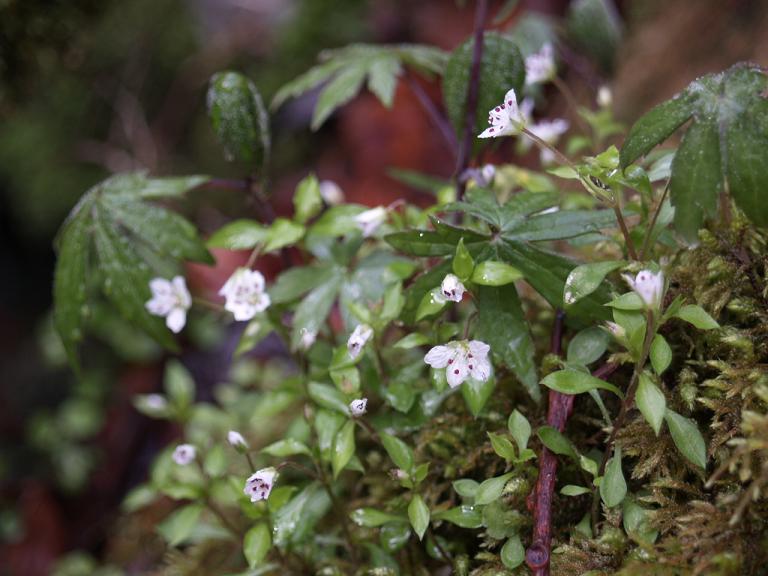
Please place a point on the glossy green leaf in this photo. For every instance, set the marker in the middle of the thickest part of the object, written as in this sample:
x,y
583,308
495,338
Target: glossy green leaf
x,y
494,273
477,393
571,490
520,429
311,313
501,324
307,201
561,225
292,523
432,303
512,553
502,67
661,354
343,448
372,518
576,382
398,451
685,433
628,301
463,264
697,316
328,397
412,340
239,118
651,402
256,544
637,522
613,487
282,233
177,527
491,489
594,26
179,385
296,282
588,345
556,442
286,447
502,446
466,487
463,516
747,170
585,279
418,514
395,535
239,235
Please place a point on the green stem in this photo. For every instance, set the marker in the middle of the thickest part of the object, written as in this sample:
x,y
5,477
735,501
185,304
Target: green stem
x,y
649,233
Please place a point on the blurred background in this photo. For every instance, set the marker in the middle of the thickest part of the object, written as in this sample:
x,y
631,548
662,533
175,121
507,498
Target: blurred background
x,y
93,87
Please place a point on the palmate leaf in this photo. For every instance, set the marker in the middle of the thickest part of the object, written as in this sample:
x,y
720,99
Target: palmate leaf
x,y
129,241
726,143
346,70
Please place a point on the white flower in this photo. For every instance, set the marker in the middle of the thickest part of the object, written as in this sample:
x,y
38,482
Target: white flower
x,y
452,289
184,454
370,220
260,483
236,440
540,66
244,293
307,338
155,402
170,299
604,97
506,119
649,286
358,339
461,359
358,407
398,474
549,131
331,192
487,173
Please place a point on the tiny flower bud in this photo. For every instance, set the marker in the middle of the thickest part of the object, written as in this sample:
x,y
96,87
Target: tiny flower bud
x,y
358,339
184,454
237,441
331,192
604,97
307,338
358,407
156,402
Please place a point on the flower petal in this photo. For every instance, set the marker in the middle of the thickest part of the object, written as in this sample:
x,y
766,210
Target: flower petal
x,y
176,319
439,356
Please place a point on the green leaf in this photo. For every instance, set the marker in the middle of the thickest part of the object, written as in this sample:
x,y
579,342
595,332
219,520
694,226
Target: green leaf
x,y
463,516
512,553
685,433
398,451
296,520
476,393
256,330
327,424
571,490
561,225
637,522
595,28
177,527
372,518
747,172
502,67
412,340
502,446
697,316
491,489
696,178
556,442
628,301
382,78
576,382
501,324
256,544
661,354
655,127
179,385
296,282
430,304
343,448
585,279
466,487
328,397
239,119
463,264
337,92
494,273
613,487
307,201
651,403
520,429
239,235
418,514
283,233
286,447
588,345
314,308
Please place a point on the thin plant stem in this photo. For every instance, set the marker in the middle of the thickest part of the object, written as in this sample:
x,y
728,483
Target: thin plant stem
x,y
571,101
624,230
440,122
465,149
649,233
250,462
208,304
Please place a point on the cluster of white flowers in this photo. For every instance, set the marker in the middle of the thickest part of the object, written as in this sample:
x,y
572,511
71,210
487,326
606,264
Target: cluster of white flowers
x,y
358,407
540,66
358,339
244,293
461,359
170,299
451,289
184,454
259,484
370,220
649,286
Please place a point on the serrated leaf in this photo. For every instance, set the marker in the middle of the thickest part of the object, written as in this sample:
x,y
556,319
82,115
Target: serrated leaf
x,y
576,382
697,316
661,354
256,544
501,324
418,513
382,78
585,279
502,67
651,403
747,170
239,235
562,225
689,441
239,118
613,487
338,92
